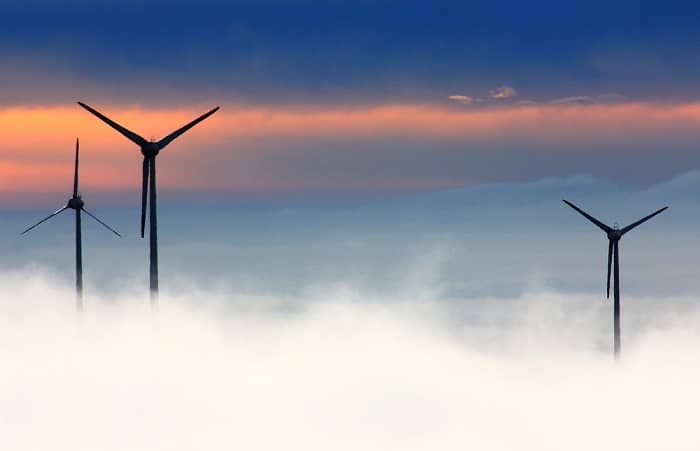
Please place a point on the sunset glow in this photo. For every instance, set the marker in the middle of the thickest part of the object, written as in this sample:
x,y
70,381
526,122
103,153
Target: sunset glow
x,y
110,160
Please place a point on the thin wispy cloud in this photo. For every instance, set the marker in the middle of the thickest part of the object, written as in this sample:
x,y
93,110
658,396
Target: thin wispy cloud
x,y
589,99
573,100
503,92
464,100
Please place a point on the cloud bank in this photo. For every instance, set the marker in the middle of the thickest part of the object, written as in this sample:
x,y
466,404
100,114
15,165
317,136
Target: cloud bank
x,y
344,372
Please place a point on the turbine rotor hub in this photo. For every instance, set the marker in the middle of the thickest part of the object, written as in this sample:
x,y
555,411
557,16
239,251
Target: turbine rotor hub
x,y
614,234
76,203
150,150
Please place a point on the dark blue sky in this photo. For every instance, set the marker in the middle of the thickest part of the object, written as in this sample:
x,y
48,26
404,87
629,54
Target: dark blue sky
x,y
366,52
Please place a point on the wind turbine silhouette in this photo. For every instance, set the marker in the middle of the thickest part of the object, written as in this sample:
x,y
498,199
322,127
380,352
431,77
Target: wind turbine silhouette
x,y
150,150
614,236
76,203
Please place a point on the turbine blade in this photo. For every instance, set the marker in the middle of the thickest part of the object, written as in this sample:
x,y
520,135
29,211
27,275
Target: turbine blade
x,y
144,193
75,175
168,139
610,256
138,140
602,226
45,219
644,219
98,220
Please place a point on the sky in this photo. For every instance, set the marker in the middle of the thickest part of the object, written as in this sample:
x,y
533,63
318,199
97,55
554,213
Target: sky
x,y
366,246
341,99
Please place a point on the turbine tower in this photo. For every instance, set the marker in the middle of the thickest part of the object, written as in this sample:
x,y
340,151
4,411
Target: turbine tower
x,y
76,203
150,150
614,236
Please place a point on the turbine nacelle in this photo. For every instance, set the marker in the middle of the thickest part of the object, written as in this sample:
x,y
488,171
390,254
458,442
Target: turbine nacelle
x,y
614,234
76,203
150,149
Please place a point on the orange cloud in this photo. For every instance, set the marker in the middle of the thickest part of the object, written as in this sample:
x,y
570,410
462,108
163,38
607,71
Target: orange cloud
x,y
37,142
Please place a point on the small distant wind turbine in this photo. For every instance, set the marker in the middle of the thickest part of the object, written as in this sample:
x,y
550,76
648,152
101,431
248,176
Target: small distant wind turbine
x,y
76,203
614,235
150,150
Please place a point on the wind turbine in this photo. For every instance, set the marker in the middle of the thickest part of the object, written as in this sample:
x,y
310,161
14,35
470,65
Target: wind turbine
x,y
614,236
150,150
76,203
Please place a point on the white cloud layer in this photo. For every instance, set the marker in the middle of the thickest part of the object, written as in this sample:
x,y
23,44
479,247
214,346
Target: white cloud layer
x,y
221,371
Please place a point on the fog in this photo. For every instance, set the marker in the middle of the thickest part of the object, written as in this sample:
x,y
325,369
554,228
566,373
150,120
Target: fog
x,y
217,370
